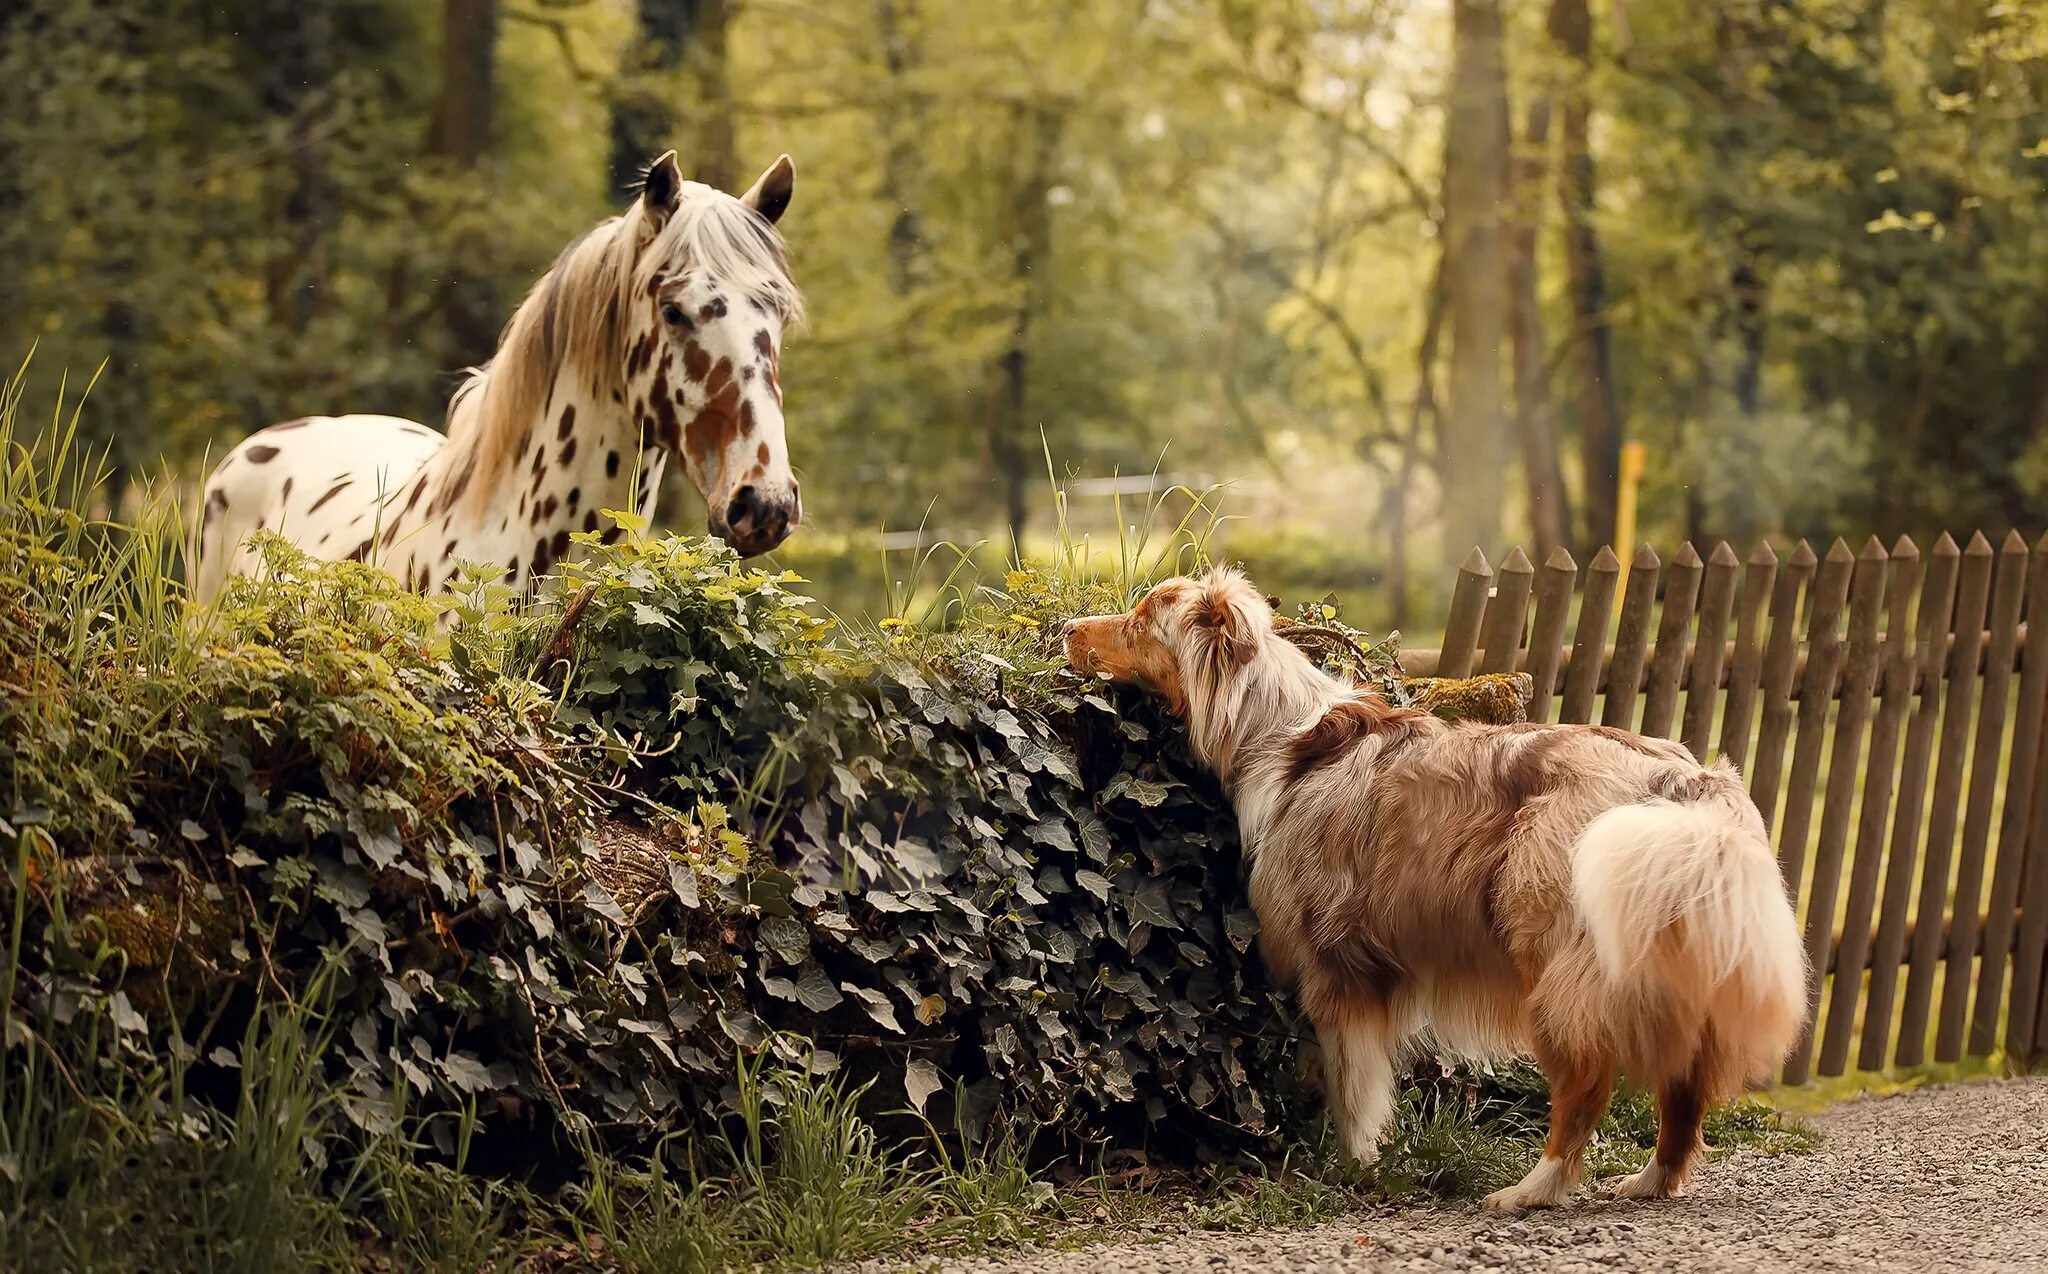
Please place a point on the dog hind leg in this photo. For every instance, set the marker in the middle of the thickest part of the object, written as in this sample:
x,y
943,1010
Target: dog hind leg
x,y
1579,1088
1682,1103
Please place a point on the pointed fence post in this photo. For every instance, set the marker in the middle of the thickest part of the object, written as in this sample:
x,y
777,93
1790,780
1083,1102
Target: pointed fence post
x,y
1507,612
1546,639
1667,665
1703,679
1858,679
1468,604
1931,623
1747,664
1589,647
2022,807
1959,701
1854,947
1631,641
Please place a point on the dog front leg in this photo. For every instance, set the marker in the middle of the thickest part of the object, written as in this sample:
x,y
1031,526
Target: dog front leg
x,y
1358,1073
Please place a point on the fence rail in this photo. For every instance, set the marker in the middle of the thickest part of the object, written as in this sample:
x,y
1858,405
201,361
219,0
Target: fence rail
x,y
1887,711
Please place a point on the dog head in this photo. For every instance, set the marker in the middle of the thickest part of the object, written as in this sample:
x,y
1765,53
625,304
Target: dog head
x,y
1190,633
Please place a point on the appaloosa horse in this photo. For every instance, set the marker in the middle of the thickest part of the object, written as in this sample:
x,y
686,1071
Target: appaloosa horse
x,y
655,334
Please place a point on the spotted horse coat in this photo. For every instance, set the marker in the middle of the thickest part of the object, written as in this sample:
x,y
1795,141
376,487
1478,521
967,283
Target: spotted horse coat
x,y
656,335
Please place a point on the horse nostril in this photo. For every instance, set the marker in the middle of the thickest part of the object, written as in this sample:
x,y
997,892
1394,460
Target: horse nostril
x,y
744,506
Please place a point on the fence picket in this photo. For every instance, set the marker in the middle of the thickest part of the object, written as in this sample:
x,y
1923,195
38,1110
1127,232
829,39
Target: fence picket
x,y
1816,693
1667,666
1931,625
1589,646
2000,918
1507,612
1973,590
1703,681
1877,795
1631,641
1968,893
1781,661
2026,1024
1546,639
1743,670
1858,680
1468,603
1871,694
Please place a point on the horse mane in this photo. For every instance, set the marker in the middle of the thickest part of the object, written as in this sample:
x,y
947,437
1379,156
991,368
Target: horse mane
x,y
574,318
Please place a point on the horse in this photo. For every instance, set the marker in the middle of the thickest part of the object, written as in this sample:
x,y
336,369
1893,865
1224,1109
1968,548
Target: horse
x,y
657,333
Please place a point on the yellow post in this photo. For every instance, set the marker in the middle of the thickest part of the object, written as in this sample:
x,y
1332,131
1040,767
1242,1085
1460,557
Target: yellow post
x,y
1625,514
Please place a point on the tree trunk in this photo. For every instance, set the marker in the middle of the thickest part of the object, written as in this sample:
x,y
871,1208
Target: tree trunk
x,y
297,41
902,171
1030,233
1475,151
1550,513
675,43
1749,329
461,136
1600,424
1423,408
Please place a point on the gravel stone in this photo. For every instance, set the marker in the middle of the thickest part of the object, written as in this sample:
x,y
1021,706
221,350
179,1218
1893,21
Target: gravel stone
x,y
1940,1179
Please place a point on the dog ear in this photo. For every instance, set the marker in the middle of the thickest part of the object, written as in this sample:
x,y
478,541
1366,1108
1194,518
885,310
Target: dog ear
x,y
1231,627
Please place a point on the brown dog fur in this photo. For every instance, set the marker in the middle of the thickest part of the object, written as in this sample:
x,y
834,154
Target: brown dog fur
x,y
1595,898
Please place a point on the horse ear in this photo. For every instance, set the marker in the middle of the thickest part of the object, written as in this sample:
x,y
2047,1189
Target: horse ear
x,y
662,190
769,195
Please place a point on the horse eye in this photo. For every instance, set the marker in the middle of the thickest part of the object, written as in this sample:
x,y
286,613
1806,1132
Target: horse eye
x,y
672,314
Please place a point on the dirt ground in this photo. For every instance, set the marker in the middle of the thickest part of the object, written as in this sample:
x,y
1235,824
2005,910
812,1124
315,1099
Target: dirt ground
x,y
1952,1178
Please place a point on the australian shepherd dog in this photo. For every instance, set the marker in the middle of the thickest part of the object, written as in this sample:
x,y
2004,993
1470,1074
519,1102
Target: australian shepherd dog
x,y
1588,896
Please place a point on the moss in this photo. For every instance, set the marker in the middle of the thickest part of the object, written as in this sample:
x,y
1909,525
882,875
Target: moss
x,y
1495,698
173,943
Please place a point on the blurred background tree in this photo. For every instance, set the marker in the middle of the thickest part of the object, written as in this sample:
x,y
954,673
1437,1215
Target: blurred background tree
x,y
1408,271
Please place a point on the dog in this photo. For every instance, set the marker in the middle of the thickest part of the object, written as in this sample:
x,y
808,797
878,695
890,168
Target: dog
x,y
1593,898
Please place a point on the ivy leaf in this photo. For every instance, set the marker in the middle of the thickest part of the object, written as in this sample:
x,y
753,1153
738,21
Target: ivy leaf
x,y
466,1072
876,1004
814,990
683,882
920,1081
1093,883
600,900
789,940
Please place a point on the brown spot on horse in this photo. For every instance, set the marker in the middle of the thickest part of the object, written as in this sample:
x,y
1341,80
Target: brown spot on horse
x,y
696,363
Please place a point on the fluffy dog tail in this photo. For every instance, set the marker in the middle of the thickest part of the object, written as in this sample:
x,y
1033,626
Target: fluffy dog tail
x,y
1692,930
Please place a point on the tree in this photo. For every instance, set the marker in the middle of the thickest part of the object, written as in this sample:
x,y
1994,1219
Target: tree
x,y
1475,160
1599,412
1550,509
677,53
460,140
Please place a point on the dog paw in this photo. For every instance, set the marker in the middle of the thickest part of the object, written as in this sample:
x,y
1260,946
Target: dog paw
x,y
1548,1184
1653,1182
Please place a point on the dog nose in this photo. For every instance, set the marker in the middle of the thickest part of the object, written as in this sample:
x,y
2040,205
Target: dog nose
x,y
756,523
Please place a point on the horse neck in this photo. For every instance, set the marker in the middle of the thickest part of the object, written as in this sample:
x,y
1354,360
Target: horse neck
x,y
580,454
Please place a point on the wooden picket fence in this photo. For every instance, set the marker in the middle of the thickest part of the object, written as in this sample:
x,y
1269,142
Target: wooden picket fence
x,y
1871,701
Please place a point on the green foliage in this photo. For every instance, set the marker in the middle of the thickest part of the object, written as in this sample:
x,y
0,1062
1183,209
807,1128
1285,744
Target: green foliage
x,y
345,910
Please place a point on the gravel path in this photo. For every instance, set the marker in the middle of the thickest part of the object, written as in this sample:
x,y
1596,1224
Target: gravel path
x,y
1949,1178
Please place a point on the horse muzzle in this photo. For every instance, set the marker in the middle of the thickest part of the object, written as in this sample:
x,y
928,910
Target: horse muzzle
x,y
754,521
